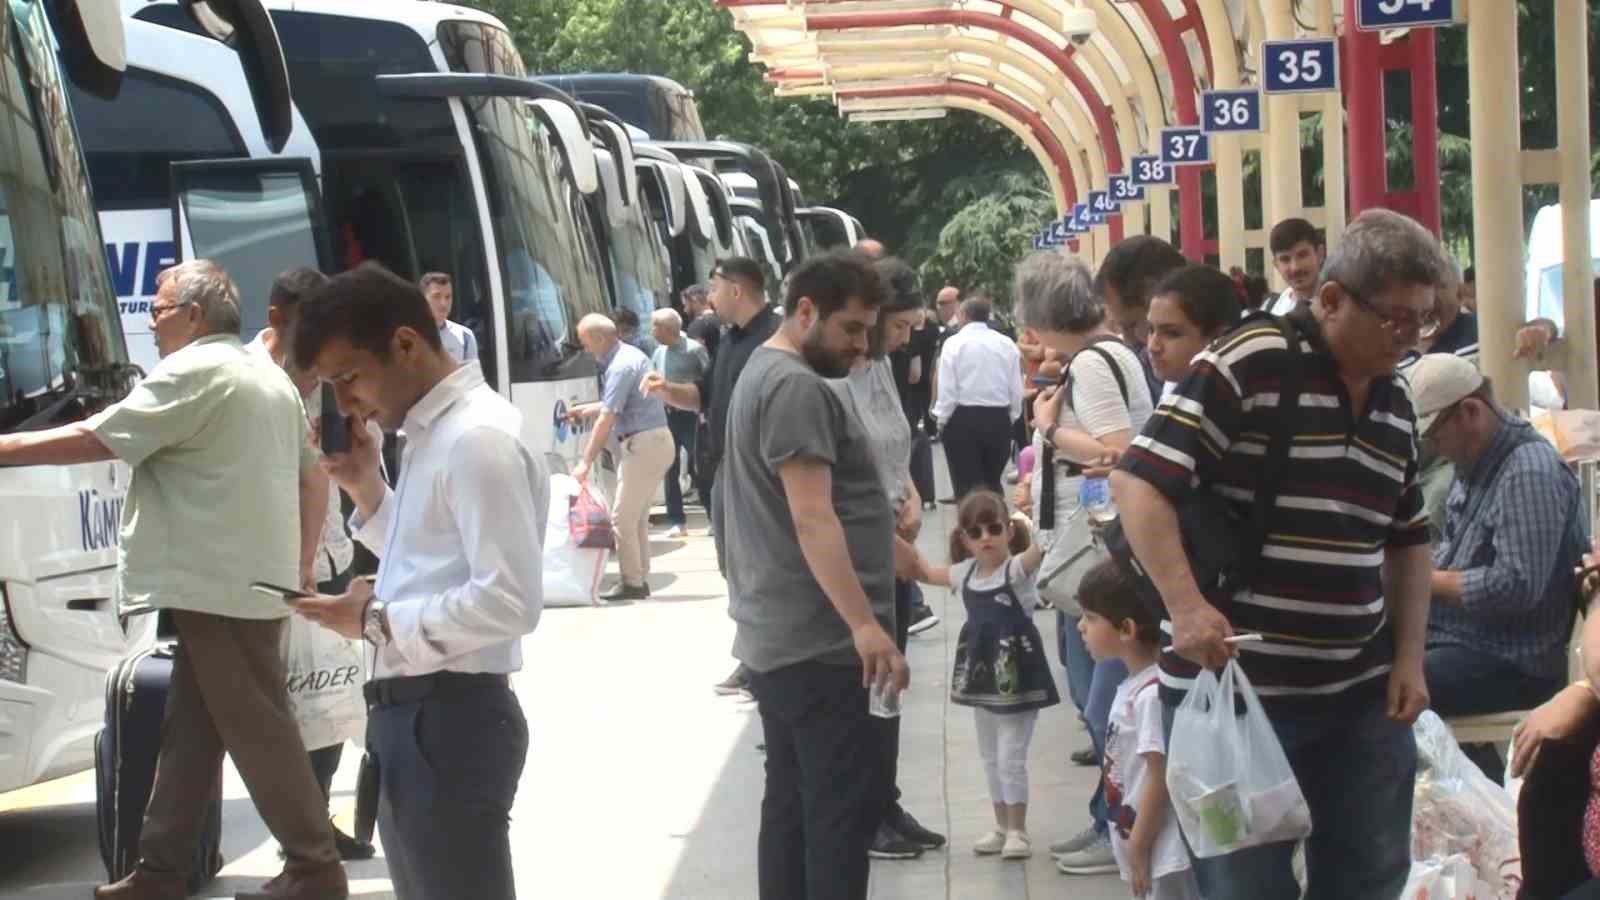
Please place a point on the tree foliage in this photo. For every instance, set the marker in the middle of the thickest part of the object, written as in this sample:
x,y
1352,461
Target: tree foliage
x,y
906,181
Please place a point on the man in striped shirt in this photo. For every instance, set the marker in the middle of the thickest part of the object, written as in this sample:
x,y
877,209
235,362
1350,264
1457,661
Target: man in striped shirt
x,y
1340,594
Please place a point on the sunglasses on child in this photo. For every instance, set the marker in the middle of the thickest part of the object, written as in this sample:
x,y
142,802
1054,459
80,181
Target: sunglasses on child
x,y
993,529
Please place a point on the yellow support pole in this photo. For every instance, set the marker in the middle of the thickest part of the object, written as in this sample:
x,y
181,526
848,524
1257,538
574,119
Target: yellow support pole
x,y
1492,85
1335,211
1572,128
1280,146
1226,152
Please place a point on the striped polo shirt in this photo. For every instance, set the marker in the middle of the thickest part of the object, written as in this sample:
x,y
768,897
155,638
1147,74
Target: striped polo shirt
x,y
1349,491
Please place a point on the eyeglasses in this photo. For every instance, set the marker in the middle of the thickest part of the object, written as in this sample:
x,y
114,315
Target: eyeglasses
x,y
156,311
1397,324
993,529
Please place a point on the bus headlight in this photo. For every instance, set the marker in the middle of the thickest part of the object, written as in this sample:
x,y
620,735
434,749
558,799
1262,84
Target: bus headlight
x,y
13,650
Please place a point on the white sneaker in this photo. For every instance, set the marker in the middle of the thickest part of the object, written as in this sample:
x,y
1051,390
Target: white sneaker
x,y
1017,846
990,844
675,531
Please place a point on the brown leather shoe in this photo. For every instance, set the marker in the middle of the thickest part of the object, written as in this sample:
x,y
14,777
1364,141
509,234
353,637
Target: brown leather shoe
x,y
321,883
144,884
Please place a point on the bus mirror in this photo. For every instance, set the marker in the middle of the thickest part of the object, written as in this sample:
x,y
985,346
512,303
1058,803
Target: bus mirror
x,y
611,186
246,26
621,147
699,204
568,128
669,177
92,45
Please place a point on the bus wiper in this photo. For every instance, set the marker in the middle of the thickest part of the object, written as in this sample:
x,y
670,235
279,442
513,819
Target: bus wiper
x,y
85,383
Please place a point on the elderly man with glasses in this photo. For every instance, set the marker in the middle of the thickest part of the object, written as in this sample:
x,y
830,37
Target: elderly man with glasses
x,y
1340,593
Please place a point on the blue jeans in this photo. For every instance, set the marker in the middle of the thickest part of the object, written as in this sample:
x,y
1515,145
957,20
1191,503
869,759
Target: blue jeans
x,y
1357,768
1463,682
1093,686
682,425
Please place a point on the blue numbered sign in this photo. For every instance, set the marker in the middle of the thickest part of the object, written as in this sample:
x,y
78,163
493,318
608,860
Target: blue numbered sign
x,y
1058,231
1185,146
1230,111
1300,67
1080,217
1100,203
1376,15
1149,171
1123,189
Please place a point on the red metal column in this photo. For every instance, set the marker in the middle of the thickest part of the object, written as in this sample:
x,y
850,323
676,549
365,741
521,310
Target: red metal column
x,y
1191,214
1366,61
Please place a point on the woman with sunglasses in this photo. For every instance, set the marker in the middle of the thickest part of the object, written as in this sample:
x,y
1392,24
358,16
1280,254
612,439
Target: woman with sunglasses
x,y
1000,667
1190,308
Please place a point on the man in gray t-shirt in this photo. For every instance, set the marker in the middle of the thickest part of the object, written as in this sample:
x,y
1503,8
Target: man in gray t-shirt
x,y
809,542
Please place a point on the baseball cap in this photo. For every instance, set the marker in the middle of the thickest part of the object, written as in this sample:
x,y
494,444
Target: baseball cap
x,y
1438,382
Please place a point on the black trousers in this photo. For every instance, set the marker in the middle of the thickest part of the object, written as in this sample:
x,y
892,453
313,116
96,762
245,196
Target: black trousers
x,y
889,729
917,401
825,782
682,425
977,443
449,767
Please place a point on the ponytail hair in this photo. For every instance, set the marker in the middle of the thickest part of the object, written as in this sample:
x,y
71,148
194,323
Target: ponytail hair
x,y
981,507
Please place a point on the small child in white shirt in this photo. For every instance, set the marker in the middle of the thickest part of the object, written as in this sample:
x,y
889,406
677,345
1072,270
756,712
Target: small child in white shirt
x,y
1144,831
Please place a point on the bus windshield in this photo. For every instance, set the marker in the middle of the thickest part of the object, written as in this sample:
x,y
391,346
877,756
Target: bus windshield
x,y
60,336
643,273
540,242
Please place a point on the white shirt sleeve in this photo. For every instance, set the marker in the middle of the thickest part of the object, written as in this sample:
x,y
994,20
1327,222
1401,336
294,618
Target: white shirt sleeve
x,y
1096,399
949,388
374,532
494,505
1014,386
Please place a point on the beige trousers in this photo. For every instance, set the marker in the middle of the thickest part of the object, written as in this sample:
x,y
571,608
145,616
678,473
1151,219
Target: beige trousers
x,y
646,456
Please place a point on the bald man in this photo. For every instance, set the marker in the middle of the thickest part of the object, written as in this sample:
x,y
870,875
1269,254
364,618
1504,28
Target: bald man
x,y
871,248
647,450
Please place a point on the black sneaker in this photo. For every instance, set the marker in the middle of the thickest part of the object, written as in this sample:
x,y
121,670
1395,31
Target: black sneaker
x,y
626,591
922,618
1086,757
912,830
891,844
737,683
351,849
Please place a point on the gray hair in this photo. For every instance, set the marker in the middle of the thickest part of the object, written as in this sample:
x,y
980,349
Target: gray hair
x,y
203,283
1054,292
1383,249
976,309
669,317
697,293
595,323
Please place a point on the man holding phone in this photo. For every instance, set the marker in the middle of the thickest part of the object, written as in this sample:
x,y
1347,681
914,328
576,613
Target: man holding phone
x,y
458,587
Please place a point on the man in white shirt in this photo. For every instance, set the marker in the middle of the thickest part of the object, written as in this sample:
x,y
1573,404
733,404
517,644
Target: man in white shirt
x,y
980,395
458,339
458,586
1298,252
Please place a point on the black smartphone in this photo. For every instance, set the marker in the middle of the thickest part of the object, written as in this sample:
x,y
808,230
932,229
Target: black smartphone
x,y
282,593
335,428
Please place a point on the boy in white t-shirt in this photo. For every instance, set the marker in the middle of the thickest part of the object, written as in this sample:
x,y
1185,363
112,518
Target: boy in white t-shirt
x,y
1144,833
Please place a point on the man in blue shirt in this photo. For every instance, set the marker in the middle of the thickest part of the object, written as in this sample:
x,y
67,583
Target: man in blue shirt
x,y
646,448
1503,581
684,360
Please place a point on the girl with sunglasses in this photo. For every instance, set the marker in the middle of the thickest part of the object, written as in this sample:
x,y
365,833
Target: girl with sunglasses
x,y
1000,667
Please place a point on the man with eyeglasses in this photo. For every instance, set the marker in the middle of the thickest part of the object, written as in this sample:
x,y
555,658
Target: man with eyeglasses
x,y
1340,594
1503,578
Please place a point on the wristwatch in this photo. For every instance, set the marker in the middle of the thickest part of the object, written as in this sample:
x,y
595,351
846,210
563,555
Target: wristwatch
x,y
372,623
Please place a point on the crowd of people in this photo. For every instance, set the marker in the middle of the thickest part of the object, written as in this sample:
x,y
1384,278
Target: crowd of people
x,y
1399,540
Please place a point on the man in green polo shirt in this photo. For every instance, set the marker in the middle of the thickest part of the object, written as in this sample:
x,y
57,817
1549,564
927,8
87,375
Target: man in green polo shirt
x,y
223,494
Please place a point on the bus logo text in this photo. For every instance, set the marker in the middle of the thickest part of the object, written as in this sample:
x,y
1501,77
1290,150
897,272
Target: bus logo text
x,y
99,520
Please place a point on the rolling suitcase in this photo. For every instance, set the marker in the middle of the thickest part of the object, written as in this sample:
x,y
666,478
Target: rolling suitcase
x,y
125,766
922,467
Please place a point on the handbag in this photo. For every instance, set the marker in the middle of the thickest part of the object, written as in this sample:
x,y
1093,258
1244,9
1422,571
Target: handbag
x,y
1081,547
1222,547
590,521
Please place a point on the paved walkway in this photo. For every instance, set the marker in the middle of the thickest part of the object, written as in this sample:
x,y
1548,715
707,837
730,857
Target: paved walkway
x,y
640,782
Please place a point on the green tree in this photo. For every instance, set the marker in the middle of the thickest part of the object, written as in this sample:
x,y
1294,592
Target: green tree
x,y
899,178
981,244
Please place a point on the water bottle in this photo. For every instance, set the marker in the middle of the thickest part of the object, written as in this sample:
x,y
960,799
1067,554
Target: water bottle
x,y
1095,497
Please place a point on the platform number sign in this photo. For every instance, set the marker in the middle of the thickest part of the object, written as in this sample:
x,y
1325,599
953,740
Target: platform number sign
x,y
1230,111
1149,171
1376,15
1123,190
1079,221
1300,67
1058,231
1185,146
1101,204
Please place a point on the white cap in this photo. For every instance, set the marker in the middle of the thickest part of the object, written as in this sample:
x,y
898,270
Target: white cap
x,y
1438,382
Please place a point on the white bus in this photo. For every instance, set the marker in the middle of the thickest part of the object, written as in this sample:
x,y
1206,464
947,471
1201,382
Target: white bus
x,y
62,358
639,264
434,161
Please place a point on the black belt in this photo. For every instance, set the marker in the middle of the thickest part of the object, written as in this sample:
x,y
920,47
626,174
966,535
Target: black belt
x,y
411,688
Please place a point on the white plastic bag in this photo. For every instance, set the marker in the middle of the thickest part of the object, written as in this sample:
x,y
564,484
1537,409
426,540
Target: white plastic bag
x,y
571,573
1451,878
323,674
1457,810
1230,782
